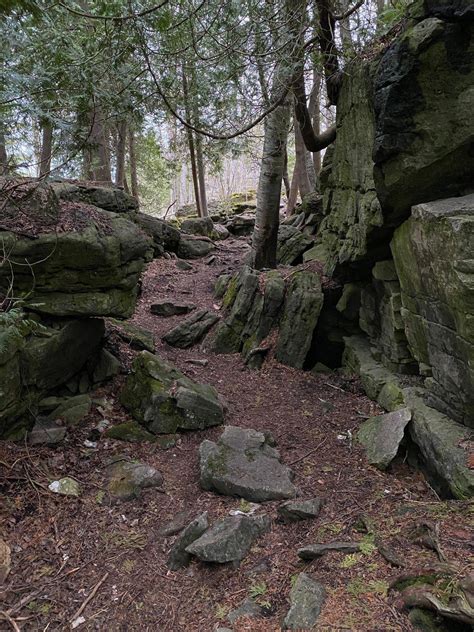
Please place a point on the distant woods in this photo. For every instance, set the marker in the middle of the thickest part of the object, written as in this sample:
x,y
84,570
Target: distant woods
x,y
181,100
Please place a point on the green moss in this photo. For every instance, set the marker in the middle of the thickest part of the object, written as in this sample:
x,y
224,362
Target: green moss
x,y
231,292
129,431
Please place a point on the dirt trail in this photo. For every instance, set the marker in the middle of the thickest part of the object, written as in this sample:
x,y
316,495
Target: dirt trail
x,y
62,547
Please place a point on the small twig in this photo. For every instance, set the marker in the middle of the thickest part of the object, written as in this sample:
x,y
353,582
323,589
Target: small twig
x,y
172,204
90,597
338,388
8,618
302,458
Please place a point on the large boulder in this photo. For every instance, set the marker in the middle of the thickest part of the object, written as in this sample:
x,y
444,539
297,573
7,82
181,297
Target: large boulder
x,y
36,358
203,226
109,198
88,263
433,253
164,400
244,463
165,237
382,435
191,247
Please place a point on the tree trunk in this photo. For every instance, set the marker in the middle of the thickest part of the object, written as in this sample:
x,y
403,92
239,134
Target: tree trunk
x,y
201,177
120,154
3,154
100,157
315,116
192,151
46,148
286,177
133,164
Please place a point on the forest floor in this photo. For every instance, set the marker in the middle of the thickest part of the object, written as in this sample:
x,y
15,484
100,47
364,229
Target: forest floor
x,y
66,551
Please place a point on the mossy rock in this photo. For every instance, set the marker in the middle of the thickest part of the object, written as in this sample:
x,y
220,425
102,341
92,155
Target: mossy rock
x,y
163,400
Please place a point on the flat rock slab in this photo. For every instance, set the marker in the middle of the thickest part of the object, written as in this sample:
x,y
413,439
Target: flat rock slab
x,y
306,601
248,609
46,432
191,330
127,479
313,551
243,463
230,539
162,399
171,308
137,337
381,436
295,510
178,556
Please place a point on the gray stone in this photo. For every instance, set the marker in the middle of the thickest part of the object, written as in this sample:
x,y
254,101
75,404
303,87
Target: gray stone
x,y
171,308
137,337
248,609
72,410
65,486
241,225
203,226
306,601
229,539
192,330
220,232
314,551
175,525
47,432
381,436
106,197
184,265
220,287
129,431
194,247
292,243
244,463
178,556
107,367
126,479
295,510
163,399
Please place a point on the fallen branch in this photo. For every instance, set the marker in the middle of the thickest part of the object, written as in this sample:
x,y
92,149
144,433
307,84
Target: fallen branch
x,y
90,597
11,621
302,458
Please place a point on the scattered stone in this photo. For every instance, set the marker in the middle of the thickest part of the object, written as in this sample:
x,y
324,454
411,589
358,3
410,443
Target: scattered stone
x,y
107,367
198,361
248,609
163,399
220,232
241,225
381,436
244,463
313,551
183,265
229,539
129,431
65,486
211,260
203,226
306,601
167,441
191,330
137,337
175,525
194,247
389,553
5,561
171,308
46,431
72,410
178,556
127,479
295,510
